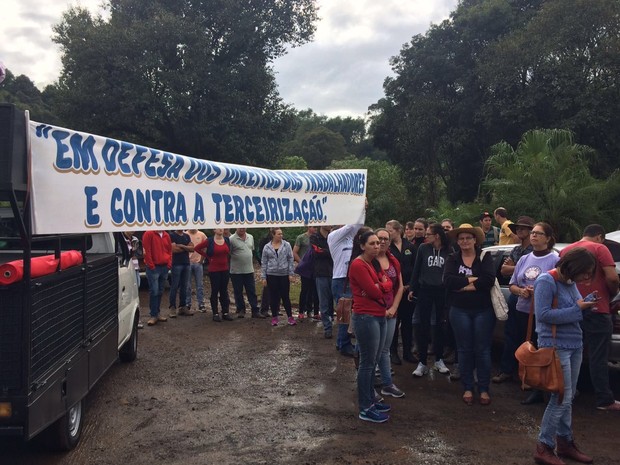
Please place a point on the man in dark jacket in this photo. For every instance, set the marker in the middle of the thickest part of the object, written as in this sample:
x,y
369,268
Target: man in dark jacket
x,y
323,269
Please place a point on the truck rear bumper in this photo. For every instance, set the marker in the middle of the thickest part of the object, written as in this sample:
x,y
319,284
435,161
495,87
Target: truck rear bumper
x,y
11,431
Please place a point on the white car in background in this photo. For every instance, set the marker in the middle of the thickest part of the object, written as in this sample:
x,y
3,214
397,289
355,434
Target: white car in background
x,y
501,252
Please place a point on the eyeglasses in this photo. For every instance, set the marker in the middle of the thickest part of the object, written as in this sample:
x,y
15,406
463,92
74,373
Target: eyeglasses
x,y
466,238
384,239
537,233
429,234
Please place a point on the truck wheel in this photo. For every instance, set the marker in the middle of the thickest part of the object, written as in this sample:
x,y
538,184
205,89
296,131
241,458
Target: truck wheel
x,y
129,351
65,433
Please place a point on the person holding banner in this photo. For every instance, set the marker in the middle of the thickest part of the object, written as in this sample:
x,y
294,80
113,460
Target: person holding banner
x,y
158,260
277,273
217,250
340,243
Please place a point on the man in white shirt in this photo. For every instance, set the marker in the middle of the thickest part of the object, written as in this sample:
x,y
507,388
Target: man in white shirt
x,y
340,243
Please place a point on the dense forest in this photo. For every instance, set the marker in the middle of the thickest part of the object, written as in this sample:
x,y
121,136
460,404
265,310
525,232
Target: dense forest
x,y
507,102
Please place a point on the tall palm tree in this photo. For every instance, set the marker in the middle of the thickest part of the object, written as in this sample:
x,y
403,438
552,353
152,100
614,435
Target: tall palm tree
x,y
548,178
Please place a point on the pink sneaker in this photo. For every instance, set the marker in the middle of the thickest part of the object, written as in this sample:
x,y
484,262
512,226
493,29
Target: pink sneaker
x,y
291,321
274,321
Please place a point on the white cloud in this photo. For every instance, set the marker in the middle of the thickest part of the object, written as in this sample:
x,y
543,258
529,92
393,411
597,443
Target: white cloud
x,y
340,73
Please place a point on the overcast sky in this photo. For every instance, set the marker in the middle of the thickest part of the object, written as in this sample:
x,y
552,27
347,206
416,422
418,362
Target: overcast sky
x,y
340,73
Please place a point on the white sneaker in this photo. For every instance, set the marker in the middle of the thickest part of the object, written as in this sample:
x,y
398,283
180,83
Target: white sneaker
x,y
421,370
441,367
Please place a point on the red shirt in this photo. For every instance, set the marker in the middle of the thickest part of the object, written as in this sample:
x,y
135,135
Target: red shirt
x,y
221,253
598,283
157,249
367,297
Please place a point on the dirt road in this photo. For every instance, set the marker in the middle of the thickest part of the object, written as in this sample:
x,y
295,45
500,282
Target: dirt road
x,y
242,392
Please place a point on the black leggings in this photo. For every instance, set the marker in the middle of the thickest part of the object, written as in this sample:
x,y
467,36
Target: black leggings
x,y
279,288
427,298
219,288
308,297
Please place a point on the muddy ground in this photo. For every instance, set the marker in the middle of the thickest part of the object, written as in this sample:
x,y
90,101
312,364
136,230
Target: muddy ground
x,y
242,392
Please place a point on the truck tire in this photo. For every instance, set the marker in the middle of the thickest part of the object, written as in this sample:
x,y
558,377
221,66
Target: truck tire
x,y
65,433
129,351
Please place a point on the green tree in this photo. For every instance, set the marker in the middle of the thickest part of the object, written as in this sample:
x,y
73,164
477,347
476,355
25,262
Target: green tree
x,y
548,177
293,163
494,70
385,189
190,77
561,70
318,147
21,91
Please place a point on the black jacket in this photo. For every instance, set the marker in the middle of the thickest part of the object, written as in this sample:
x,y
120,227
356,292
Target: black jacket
x,y
322,258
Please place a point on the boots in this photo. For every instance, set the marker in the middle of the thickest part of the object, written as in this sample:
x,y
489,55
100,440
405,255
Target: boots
x,y
545,456
568,450
535,397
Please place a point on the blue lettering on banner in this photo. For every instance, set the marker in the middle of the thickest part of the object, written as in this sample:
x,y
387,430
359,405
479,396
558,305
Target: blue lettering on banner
x,y
148,207
199,209
234,209
76,152
92,219
82,156
202,171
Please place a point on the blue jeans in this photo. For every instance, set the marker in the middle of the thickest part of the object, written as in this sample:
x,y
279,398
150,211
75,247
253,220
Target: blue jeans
x,y
326,301
384,358
343,340
557,420
597,329
196,271
180,280
157,280
240,281
473,331
370,332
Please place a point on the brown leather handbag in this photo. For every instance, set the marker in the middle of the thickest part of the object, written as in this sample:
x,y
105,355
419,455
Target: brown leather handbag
x,y
343,310
540,368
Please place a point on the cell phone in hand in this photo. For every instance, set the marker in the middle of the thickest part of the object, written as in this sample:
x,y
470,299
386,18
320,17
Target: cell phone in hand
x,y
592,297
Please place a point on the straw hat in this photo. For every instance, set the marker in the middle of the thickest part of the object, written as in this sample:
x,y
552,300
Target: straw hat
x,y
467,228
524,221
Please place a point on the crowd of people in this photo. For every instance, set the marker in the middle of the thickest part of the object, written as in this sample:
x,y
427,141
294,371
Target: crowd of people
x,y
427,284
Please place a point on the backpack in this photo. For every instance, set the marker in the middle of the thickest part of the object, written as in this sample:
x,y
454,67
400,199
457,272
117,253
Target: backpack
x,y
305,267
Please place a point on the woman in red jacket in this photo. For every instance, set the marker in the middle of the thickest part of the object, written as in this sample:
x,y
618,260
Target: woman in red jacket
x,y
369,284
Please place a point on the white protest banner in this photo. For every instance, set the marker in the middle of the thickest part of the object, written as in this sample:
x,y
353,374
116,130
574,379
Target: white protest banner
x,y
86,183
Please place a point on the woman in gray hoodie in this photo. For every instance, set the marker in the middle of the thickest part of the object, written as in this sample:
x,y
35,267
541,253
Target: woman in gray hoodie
x,y
277,272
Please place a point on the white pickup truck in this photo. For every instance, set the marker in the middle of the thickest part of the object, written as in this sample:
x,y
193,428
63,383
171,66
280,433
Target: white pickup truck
x,y
59,332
